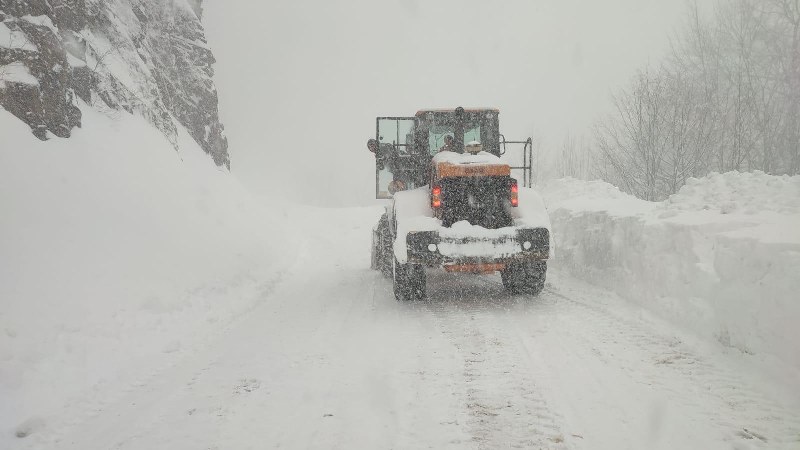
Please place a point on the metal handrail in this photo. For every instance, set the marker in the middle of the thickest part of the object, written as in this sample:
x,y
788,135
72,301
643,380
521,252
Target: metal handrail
x,y
527,159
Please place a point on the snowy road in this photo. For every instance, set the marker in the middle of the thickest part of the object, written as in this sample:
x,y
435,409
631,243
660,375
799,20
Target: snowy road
x,y
330,360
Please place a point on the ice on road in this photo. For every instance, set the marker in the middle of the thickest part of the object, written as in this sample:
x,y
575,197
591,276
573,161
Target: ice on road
x,y
329,359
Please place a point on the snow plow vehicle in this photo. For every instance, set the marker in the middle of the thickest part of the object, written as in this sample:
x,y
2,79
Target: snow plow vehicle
x,y
456,202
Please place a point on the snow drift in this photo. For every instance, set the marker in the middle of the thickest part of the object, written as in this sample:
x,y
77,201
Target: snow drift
x,y
722,256
115,249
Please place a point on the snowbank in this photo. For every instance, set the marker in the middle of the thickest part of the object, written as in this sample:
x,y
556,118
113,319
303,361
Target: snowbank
x,y
115,249
722,256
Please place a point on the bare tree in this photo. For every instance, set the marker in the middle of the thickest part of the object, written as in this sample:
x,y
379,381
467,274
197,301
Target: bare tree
x,y
632,140
573,159
727,98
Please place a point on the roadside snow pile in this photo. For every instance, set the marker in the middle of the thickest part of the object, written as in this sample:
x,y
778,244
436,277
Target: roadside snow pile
x,y
581,195
734,192
115,250
722,256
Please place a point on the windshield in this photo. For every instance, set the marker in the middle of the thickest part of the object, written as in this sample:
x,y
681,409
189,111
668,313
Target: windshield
x,y
479,127
436,136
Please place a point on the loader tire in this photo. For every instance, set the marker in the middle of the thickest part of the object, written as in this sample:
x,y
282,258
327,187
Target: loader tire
x,y
524,278
408,281
386,253
382,252
375,256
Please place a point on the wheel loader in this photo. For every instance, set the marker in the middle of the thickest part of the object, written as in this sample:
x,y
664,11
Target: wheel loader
x,y
460,200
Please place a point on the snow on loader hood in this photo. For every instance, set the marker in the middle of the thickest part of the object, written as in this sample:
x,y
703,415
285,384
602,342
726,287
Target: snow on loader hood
x,y
484,158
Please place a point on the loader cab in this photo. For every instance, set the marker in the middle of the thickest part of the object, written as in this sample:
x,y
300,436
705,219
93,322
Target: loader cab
x,y
404,146
465,125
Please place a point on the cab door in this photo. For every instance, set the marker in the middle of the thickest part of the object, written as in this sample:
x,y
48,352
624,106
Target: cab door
x,y
395,137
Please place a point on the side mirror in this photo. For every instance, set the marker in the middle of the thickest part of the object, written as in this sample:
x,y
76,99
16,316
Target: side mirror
x,y
372,145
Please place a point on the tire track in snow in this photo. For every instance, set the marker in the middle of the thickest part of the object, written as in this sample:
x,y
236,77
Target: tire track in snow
x,y
724,398
482,321
502,403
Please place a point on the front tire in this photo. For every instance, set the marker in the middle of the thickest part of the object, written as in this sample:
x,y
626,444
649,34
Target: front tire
x,y
386,252
409,281
524,277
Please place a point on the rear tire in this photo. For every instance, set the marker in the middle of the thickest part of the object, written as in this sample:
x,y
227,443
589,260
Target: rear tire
x,y
382,252
375,255
408,281
386,253
524,277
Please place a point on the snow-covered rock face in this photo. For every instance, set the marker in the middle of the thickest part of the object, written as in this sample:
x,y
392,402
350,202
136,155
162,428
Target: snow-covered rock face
x,y
147,57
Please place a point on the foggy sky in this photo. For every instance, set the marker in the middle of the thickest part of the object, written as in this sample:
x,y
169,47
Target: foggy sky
x,y
301,82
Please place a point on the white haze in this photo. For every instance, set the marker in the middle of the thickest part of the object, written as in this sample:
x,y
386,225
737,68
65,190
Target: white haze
x,y
300,83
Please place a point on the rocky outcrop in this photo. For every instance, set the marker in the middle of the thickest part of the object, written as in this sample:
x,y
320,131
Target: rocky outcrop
x,y
147,57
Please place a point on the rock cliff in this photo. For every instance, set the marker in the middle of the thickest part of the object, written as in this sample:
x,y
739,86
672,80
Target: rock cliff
x,y
146,57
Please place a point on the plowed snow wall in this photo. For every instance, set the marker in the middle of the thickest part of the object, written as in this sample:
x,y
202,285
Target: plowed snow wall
x,y
733,278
